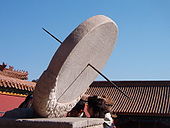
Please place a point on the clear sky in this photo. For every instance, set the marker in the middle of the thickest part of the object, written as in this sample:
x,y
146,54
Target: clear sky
x,y
143,47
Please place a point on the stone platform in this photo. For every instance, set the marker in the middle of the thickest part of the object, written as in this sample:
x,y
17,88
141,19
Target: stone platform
x,y
68,122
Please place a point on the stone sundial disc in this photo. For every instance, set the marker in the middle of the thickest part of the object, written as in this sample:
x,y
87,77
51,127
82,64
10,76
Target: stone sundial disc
x,y
68,76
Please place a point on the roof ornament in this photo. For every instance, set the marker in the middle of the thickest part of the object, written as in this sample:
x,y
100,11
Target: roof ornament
x,y
11,68
2,67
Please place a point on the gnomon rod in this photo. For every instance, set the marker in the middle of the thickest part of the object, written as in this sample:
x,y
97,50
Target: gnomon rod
x,y
108,80
52,35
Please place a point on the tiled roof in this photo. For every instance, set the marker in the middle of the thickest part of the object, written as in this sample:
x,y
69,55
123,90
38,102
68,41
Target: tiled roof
x,y
147,97
15,73
9,82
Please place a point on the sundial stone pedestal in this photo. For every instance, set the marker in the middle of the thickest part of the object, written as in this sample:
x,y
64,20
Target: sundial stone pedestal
x,y
67,122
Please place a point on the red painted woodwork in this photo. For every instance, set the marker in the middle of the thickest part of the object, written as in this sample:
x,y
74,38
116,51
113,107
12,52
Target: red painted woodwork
x,y
8,102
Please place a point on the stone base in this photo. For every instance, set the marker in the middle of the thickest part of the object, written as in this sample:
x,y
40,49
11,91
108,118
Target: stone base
x,y
68,122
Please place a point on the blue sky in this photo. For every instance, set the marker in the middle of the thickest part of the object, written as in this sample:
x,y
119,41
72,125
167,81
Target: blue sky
x,y
143,46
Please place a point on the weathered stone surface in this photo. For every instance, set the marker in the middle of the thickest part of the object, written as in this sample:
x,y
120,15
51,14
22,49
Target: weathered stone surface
x,y
68,76
52,123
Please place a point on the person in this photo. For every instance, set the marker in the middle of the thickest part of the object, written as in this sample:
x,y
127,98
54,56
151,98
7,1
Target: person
x,y
98,107
77,110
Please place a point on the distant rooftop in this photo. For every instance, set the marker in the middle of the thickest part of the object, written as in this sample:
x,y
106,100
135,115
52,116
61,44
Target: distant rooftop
x,y
14,81
150,98
11,72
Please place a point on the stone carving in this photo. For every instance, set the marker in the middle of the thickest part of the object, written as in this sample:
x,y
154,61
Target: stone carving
x,y
68,75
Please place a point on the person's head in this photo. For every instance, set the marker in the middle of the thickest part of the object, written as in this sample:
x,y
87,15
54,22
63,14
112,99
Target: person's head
x,y
97,107
77,110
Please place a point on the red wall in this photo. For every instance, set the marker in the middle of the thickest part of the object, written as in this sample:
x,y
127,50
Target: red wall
x,y
8,102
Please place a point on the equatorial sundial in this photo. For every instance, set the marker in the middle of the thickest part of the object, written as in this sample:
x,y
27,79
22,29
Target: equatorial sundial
x,y
74,66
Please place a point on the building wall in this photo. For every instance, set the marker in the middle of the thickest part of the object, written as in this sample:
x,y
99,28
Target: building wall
x,y
9,102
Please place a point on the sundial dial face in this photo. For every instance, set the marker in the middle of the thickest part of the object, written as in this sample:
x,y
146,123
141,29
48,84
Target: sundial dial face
x,y
68,75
